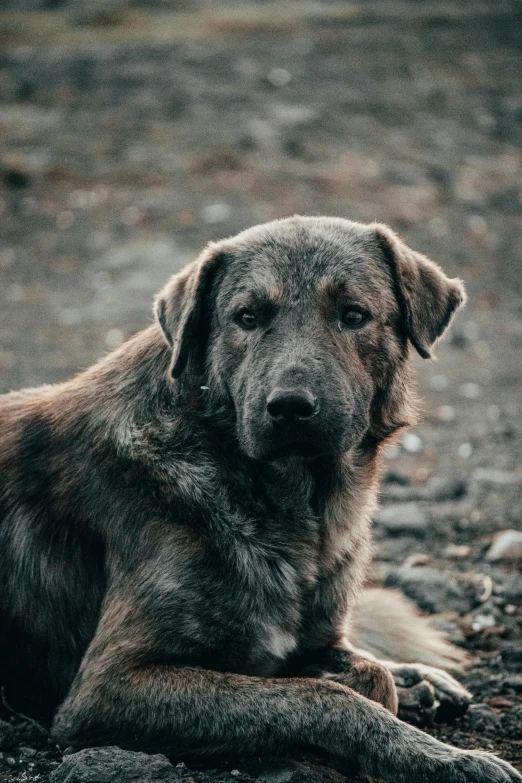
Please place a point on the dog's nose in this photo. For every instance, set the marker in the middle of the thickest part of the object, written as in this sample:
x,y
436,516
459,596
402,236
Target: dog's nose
x,y
291,405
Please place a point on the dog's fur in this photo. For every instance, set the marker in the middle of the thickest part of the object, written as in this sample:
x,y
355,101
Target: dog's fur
x,y
179,567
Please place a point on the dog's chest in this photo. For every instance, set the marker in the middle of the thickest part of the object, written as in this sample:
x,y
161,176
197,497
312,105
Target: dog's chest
x,y
261,581
262,572
245,602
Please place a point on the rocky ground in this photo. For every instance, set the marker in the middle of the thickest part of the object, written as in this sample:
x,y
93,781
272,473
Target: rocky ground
x,y
132,134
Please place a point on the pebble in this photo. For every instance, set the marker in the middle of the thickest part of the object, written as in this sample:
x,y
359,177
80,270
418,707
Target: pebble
x,y
417,560
513,682
439,382
471,391
512,654
506,546
286,771
279,77
457,551
216,213
436,489
114,338
7,736
114,765
411,443
432,590
500,703
446,413
465,450
403,518
512,589
482,719
482,621
471,330
496,477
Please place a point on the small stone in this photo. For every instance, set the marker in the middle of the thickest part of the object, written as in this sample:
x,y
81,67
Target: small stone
x,y
432,590
395,548
65,220
216,213
471,391
465,450
511,590
506,546
439,382
481,718
500,703
279,77
512,654
471,330
411,443
7,736
482,621
114,338
403,518
114,765
15,293
457,551
446,413
417,560
287,771
28,752
494,413
436,488
496,478
513,682
440,488
482,350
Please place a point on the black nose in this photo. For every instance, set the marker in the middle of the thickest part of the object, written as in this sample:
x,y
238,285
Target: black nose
x,y
291,405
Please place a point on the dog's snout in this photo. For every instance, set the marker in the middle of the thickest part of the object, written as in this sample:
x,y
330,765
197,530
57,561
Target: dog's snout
x,y
291,405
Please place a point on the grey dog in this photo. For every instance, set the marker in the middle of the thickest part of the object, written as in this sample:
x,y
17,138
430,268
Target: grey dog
x,y
185,526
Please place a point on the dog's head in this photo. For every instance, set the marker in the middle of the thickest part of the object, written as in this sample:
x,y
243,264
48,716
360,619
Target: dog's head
x,y
302,328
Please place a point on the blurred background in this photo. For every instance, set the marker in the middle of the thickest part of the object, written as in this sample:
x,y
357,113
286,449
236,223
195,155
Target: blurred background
x,y
133,133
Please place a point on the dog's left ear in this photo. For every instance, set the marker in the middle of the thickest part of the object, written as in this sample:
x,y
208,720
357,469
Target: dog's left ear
x,y
427,297
180,311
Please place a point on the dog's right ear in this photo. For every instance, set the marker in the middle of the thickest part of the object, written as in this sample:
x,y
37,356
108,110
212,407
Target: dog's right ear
x,y
179,308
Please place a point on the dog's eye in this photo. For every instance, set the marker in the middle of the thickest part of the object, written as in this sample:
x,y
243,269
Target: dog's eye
x,y
247,319
353,318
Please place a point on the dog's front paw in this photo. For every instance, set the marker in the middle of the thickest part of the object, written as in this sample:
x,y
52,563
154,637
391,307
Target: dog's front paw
x,y
479,767
426,693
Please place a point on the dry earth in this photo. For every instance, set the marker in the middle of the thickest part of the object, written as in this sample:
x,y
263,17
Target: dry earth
x,y
132,134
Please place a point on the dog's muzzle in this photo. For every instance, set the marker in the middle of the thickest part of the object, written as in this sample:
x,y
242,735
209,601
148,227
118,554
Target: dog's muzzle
x,y
291,407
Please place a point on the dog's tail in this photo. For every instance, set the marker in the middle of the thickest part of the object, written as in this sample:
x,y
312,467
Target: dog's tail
x,y
386,624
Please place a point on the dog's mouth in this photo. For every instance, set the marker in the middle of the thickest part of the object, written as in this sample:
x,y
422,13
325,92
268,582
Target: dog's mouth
x,y
300,451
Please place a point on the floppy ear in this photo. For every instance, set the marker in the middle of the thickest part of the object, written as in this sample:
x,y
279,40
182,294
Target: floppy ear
x,y
428,299
180,311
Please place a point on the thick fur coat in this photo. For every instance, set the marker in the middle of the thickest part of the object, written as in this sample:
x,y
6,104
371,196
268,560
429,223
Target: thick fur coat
x,y
185,526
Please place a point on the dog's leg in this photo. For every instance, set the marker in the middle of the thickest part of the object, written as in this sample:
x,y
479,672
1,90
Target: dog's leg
x,y
193,711
362,674
119,697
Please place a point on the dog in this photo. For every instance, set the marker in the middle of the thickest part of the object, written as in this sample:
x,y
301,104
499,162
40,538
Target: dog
x,y
185,526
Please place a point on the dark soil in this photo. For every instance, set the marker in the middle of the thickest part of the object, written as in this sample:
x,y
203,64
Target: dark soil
x,y
132,136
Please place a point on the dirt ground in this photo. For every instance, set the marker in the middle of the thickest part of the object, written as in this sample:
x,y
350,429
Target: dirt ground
x,y
133,133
